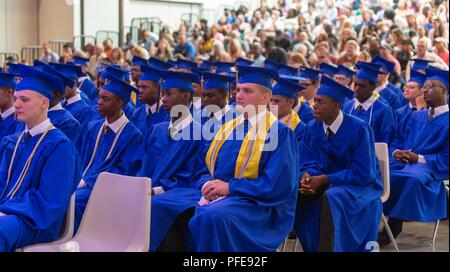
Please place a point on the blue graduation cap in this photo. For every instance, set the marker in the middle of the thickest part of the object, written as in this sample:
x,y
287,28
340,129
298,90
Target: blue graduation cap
x,y
224,67
149,73
67,81
418,77
287,88
120,88
115,71
159,64
39,81
172,62
420,64
256,75
186,64
39,65
13,68
217,81
81,61
284,69
198,76
178,80
308,73
439,75
388,66
243,62
328,69
347,72
72,71
7,80
138,61
368,71
270,64
334,90
206,65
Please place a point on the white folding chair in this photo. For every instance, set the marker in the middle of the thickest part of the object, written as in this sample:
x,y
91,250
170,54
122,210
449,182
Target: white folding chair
x,y
382,153
436,226
116,219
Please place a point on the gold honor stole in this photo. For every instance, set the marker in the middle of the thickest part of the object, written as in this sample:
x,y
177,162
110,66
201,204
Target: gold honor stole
x,y
377,95
247,165
293,120
303,100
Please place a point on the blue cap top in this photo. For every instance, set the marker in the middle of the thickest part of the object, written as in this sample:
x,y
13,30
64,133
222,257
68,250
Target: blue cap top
x,y
138,61
71,71
223,67
13,68
67,81
439,75
120,88
287,70
256,75
368,71
206,65
418,77
270,64
388,66
334,90
115,71
178,80
420,64
328,69
186,64
81,61
8,80
159,64
172,62
287,88
308,73
149,73
217,81
347,72
39,82
243,62
39,65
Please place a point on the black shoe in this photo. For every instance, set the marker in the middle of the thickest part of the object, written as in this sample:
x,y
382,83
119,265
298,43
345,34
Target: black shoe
x,y
383,238
396,226
292,235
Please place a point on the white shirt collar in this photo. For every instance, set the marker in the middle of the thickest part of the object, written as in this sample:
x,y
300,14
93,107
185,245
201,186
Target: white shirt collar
x,y
335,125
117,124
440,110
221,113
56,107
367,104
298,107
74,99
382,87
150,109
254,119
8,112
180,126
39,129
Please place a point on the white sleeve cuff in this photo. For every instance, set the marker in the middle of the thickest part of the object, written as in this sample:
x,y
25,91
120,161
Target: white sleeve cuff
x,y
394,152
422,160
82,184
158,190
2,214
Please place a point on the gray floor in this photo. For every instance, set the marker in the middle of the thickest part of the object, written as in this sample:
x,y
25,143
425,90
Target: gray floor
x,y
416,237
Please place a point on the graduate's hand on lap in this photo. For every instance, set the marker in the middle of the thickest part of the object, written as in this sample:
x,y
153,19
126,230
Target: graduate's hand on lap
x,y
402,155
412,157
305,188
216,189
317,182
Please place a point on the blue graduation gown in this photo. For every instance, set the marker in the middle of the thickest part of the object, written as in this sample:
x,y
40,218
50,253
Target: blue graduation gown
x,y
401,99
63,120
403,113
171,164
354,193
380,116
391,97
36,212
258,214
88,87
9,126
417,190
123,159
305,113
82,112
145,123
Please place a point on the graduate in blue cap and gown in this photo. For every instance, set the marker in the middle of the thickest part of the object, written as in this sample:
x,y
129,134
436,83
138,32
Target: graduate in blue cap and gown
x,y
419,161
248,206
72,98
328,70
60,117
216,111
224,68
111,144
170,160
8,123
135,75
310,80
206,66
287,70
38,168
370,108
339,206
150,113
414,95
344,76
85,84
284,95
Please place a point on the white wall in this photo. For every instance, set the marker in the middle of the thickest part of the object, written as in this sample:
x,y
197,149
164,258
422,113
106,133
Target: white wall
x,y
101,15
54,26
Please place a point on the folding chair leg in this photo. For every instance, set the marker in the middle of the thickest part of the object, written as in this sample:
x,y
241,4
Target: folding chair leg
x,y
295,244
283,246
388,229
433,241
